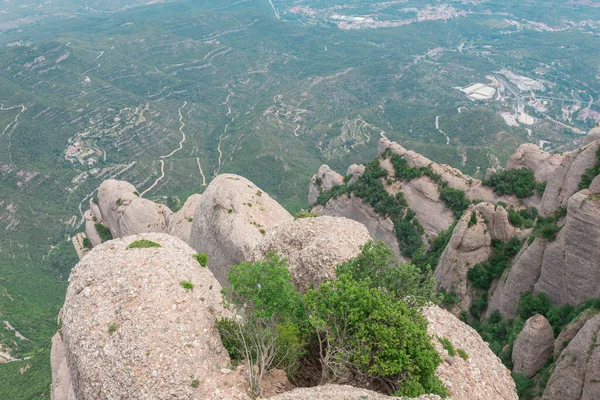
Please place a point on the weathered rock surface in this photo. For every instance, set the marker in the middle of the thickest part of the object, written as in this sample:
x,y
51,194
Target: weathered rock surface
x,y
314,246
577,372
340,392
356,172
353,208
543,164
568,333
324,180
180,223
141,216
111,196
131,331
231,219
61,389
533,347
592,136
481,375
90,229
595,186
470,245
423,197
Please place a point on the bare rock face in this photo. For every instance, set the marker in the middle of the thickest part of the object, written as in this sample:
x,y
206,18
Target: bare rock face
x,y
90,230
143,215
356,172
231,219
543,164
180,223
423,197
131,331
577,372
592,136
352,207
324,180
470,245
314,246
111,196
595,186
481,375
570,331
61,389
533,347
340,392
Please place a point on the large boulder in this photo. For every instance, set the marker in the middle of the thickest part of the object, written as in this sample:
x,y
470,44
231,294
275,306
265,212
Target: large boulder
x,y
340,392
132,331
533,347
577,372
141,216
180,223
324,180
61,388
592,136
314,246
112,196
482,375
570,331
90,227
231,219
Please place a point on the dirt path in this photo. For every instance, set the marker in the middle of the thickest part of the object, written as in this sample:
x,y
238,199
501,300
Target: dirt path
x,y
275,10
437,126
201,172
162,175
12,125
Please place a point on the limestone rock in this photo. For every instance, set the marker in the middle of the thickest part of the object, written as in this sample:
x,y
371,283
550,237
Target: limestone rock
x,y
180,223
423,197
568,333
61,389
592,136
543,164
356,172
352,207
340,392
141,216
231,219
533,347
577,372
131,331
482,375
595,186
90,228
314,246
112,195
324,180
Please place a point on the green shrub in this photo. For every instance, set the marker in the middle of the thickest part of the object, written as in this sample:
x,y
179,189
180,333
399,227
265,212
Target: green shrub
x,y
143,244
103,232
455,200
482,274
479,305
430,257
449,298
463,354
447,345
519,182
305,214
186,285
202,259
541,187
524,385
530,304
590,173
547,227
522,218
87,244
112,328
473,219
373,335
377,265
118,202
195,383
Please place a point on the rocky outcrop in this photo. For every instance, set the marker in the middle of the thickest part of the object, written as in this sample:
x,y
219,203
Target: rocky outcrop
x,y
577,372
231,219
423,197
131,330
352,207
324,180
314,246
570,331
355,171
469,245
543,164
481,375
61,389
90,229
125,213
592,136
533,347
340,392
180,223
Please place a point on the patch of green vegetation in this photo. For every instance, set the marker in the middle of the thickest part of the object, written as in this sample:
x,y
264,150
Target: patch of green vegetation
x,y
519,182
112,328
523,218
463,354
482,274
430,257
449,298
547,227
118,202
143,244
103,232
87,244
590,173
305,214
456,200
473,219
447,345
187,285
195,384
202,259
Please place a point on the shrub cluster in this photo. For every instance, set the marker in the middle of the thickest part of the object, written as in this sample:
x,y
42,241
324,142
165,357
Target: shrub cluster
x,y
482,274
547,227
103,232
143,244
364,325
519,182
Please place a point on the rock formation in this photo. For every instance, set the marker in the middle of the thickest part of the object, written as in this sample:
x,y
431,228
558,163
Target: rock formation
x,y
61,389
132,331
340,392
570,331
533,347
592,136
355,171
324,180
314,246
231,219
481,375
577,372
180,223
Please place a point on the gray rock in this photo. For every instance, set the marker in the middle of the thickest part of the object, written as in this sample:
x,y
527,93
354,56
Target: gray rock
x,y
340,392
180,223
111,197
61,389
543,164
577,372
533,347
570,331
595,186
231,219
324,180
131,331
592,136
314,246
90,228
141,216
356,172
